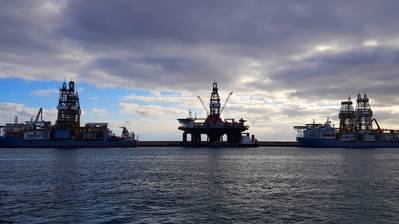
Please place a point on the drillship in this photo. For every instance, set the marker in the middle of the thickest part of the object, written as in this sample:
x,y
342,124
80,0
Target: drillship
x,y
355,129
214,128
67,132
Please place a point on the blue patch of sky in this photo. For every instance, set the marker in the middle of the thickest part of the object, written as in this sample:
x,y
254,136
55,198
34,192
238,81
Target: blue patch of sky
x,y
21,91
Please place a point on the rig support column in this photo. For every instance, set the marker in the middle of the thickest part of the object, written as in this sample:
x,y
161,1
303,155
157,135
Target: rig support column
x,y
184,138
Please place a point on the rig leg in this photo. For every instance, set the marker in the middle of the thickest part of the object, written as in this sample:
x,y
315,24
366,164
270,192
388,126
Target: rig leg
x,y
184,138
195,139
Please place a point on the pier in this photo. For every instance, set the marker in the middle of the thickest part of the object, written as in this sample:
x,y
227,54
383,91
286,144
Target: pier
x,y
181,144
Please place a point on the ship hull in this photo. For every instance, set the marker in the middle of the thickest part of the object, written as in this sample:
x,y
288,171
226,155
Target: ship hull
x,y
334,143
11,142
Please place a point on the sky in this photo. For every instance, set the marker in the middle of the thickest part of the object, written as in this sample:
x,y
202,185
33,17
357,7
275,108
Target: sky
x,y
141,63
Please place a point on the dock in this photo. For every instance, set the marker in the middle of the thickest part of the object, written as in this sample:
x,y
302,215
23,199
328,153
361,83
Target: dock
x,y
278,144
180,144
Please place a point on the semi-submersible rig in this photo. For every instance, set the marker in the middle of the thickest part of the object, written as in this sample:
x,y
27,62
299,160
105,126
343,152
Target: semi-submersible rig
x,y
67,132
355,129
214,127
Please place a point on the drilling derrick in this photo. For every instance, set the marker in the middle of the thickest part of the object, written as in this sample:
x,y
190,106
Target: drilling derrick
x,y
68,117
364,114
214,106
347,117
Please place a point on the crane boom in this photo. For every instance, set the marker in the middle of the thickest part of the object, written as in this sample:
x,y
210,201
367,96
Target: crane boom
x,y
39,114
203,104
225,102
376,122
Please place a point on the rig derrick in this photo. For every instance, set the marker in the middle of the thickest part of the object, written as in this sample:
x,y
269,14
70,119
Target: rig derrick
x,y
67,125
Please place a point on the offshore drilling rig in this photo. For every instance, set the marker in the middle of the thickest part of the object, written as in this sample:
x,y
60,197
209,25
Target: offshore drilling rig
x,y
214,127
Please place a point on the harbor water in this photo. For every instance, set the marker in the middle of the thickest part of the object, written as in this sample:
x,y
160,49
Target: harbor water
x,y
198,185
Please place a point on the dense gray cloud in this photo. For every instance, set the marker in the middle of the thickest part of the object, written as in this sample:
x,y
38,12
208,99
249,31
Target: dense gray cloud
x,y
349,71
226,22
296,54
171,43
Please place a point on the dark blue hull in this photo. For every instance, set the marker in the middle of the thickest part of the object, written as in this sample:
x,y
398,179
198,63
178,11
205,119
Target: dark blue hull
x,y
334,143
11,142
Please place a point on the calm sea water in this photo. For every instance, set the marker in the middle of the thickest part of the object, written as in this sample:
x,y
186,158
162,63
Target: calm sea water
x,y
180,185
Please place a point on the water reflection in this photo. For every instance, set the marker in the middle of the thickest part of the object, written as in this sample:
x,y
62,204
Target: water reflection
x,y
174,185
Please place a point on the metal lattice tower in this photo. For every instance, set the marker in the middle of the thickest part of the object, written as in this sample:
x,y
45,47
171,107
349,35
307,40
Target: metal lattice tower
x,y
68,107
364,114
214,102
347,116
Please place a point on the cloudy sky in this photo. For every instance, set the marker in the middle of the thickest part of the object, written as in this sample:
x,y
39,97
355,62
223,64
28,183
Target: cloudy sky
x,y
142,63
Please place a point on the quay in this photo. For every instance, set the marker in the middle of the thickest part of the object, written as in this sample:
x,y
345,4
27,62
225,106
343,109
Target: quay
x,y
180,144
